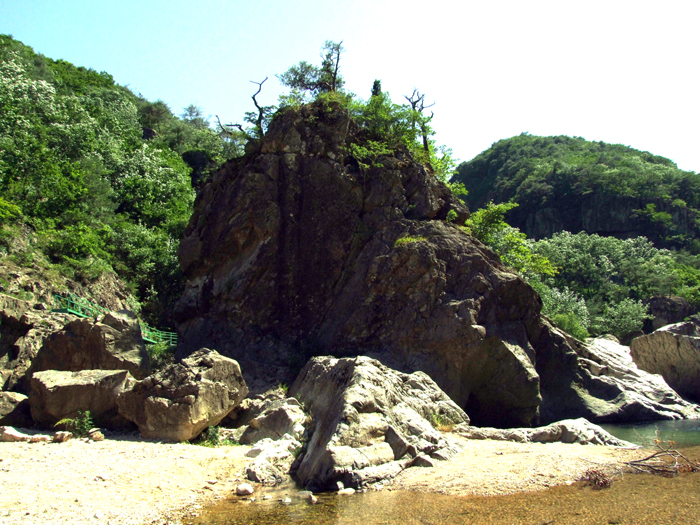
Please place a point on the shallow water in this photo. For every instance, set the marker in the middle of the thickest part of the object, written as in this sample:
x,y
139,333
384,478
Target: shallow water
x,y
632,499
684,432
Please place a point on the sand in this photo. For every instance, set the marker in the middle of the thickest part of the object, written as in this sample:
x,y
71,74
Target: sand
x,y
135,481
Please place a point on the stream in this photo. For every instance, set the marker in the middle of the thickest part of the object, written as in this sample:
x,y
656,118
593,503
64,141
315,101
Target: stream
x,y
632,498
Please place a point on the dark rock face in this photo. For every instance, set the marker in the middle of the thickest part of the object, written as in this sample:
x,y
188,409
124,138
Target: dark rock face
x,y
665,311
183,399
294,251
14,410
115,343
371,422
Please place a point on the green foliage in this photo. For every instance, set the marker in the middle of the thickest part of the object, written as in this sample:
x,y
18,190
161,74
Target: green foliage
x,y
8,211
562,172
408,240
623,318
613,277
488,225
161,355
78,426
307,78
75,168
211,437
442,423
571,325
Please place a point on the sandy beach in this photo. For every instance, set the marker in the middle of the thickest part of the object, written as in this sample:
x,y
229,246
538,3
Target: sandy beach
x,y
134,481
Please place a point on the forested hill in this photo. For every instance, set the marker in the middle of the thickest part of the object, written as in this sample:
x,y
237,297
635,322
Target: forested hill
x,y
571,184
94,177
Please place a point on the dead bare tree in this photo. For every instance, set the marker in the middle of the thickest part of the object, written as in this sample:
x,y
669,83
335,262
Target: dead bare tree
x,y
417,103
256,120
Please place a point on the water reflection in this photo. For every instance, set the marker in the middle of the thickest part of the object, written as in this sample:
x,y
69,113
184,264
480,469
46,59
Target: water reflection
x,y
685,432
634,499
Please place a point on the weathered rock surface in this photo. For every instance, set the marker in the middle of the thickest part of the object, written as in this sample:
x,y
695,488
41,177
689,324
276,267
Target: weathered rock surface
x,y
23,331
672,351
295,250
10,434
370,421
183,399
579,431
57,395
269,415
14,410
114,343
607,386
273,460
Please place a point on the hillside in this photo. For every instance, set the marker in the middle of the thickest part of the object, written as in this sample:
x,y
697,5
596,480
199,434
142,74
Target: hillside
x,y
571,184
94,178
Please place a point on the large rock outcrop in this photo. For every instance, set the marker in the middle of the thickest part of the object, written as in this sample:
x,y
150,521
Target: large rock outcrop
x,y
178,402
300,249
113,343
23,331
371,422
672,351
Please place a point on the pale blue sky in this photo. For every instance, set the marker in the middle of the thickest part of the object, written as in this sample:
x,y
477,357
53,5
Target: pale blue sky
x,y
618,71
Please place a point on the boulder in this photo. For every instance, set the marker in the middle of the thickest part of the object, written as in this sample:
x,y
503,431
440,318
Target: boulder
x,y
114,343
178,402
273,460
285,417
57,395
370,421
579,431
12,435
604,384
23,331
269,415
672,351
14,410
666,310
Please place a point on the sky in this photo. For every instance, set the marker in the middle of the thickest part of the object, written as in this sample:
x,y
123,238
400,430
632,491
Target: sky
x,y
623,72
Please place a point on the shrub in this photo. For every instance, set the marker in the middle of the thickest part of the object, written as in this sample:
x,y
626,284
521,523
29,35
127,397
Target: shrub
x,y
408,239
78,426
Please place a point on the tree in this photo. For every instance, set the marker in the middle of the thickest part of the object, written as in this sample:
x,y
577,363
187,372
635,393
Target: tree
x,y
313,79
488,226
194,116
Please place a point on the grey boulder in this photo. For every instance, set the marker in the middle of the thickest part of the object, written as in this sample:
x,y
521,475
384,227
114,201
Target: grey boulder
x,y
672,351
270,415
371,422
601,382
183,399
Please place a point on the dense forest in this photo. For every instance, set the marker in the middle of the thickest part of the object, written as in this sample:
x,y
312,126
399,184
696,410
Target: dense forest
x,y
618,226
561,181
95,178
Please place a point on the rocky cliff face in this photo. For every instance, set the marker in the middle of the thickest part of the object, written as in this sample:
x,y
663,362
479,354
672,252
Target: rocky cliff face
x,y
294,251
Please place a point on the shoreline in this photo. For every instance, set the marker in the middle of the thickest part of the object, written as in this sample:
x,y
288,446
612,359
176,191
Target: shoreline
x,y
132,481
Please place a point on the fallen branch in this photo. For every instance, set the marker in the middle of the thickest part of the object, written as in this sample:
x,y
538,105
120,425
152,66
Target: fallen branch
x,y
665,461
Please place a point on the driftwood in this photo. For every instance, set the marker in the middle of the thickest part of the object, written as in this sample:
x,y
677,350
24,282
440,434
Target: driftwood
x,y
665,461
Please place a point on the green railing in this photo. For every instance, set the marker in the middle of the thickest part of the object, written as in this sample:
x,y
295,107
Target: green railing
x,y
72,304
151,335
77,306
